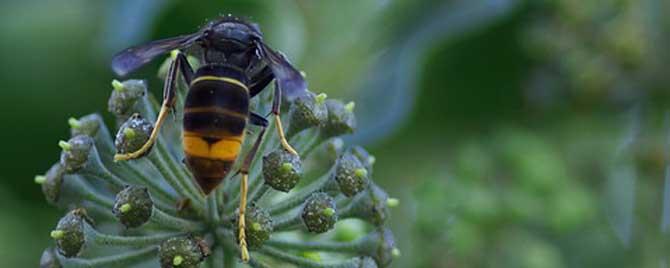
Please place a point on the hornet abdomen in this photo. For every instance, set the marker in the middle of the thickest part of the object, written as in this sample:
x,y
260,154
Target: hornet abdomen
x,y
215,116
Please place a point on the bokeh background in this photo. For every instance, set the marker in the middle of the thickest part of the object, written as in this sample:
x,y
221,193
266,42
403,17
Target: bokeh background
x,y
515,133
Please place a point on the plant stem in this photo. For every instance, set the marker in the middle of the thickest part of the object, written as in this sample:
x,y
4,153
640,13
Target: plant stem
x,y
137,241
120,260
300,196
163,219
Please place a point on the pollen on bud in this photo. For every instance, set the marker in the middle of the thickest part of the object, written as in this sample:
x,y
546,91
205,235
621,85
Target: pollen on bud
x,y
349,107
318,213
133,134
69,233
392,202
64,145
321,98
306,112
258,226
366,159
74,123
125,96
117,85
40,179
282,170
133,206
183,251
75,152
341,119
49,259
52,183
350,174
380,245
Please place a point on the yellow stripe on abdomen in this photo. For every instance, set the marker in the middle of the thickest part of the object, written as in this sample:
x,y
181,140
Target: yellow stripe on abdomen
x,y
226,148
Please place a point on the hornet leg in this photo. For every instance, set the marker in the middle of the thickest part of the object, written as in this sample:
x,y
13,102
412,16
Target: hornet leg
x,y
276,102
244,170
179,63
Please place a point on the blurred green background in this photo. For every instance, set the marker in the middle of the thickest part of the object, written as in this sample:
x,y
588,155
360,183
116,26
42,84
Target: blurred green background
x,y
514,133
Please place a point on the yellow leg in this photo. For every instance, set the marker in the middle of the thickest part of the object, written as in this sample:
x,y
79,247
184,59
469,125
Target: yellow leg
x,y
154,135
282,137
242,225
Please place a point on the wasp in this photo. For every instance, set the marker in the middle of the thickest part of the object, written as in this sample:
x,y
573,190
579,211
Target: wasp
x,y
236,66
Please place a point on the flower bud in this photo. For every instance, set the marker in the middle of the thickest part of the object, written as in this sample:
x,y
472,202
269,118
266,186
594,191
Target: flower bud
x,y
133,206
341,119
319,213
125,96
371,205
88,125
334,147
380,245
350,174
52,182
184,251
69,233
75,152
49,259
282,170
307,111
133,134
258,226
366,158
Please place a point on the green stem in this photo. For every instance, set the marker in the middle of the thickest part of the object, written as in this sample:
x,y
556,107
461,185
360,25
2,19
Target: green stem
x,y
86,191
213,210
287,223
259,193
180,174
103,173
166,220
120,260
300,197
161,166
341,247
153,185
283,256
136,241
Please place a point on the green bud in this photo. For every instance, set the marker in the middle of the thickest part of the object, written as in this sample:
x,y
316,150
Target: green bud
x,y
341,119
306,112
64,145
350,174
74,123
321,98
69,233
258,226
349,107
133,134
392,202
133,206
118,86
125,98
75,153
177,260
371,206
380,245
39,179
88,125
318,213
183,251
49,259
52,182
282,170
366,159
